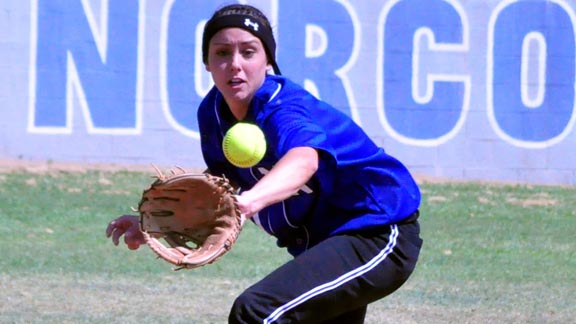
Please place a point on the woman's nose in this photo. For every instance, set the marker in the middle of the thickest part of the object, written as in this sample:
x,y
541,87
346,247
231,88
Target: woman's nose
x,y
235,61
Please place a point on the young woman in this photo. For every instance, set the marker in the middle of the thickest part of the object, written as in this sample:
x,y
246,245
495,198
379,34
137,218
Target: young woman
x,y
345,209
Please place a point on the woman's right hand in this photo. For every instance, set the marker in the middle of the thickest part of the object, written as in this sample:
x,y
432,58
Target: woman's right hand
x,y
129,226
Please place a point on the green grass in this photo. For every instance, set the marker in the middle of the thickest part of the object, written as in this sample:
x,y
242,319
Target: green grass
x,y
492,254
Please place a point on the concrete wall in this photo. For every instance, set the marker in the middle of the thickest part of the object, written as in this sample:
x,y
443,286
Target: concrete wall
x,y
475,89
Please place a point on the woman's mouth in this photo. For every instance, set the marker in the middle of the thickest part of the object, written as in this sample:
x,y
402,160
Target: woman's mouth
x,y
235,82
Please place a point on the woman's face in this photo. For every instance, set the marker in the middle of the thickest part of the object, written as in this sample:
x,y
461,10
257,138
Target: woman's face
x,y
238,64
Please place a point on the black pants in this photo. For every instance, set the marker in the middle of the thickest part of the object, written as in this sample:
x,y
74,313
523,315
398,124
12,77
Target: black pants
x,y
334,281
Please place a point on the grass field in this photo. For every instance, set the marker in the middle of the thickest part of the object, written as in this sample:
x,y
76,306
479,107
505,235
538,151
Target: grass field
x,y
492,254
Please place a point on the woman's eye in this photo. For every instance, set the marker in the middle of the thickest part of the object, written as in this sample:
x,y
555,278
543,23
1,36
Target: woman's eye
x,y
248,52
222,52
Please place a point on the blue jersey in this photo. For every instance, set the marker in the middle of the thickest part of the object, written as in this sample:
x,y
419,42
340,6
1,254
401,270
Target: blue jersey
x,y
357,186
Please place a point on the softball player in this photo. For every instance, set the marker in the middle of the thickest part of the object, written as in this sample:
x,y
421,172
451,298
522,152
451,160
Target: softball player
x,y
345,209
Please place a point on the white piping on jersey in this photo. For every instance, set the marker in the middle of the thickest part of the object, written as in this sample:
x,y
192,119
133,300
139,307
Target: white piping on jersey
x,y
307,237
339,281
257,216
275,92
256,219
253,175
286,216
264,172
270,224
271,229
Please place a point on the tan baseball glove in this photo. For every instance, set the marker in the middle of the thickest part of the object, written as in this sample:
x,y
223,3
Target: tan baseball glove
x,y
196,214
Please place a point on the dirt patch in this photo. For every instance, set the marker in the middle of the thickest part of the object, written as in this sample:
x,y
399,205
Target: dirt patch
x,y
537,201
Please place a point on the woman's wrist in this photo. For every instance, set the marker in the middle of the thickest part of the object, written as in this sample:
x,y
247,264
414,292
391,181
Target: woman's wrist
x,y
246,204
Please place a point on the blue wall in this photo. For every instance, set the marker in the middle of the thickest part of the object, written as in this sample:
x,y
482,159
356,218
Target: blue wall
x,y
480,90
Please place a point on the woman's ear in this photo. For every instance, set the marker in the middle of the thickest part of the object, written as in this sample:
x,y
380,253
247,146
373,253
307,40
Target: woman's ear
x,y
207,67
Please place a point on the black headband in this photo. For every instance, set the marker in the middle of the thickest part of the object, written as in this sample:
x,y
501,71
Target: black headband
x,y
248,23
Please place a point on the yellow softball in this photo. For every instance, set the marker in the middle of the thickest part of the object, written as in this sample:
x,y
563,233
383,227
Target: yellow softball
x,y
244,145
